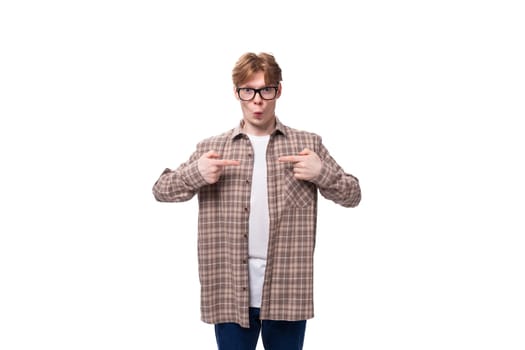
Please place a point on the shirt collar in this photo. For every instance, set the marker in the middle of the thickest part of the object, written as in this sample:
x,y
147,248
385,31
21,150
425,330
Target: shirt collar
x,y
279,128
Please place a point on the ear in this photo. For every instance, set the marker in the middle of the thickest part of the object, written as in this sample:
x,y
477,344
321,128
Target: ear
x,y
279,90
235,92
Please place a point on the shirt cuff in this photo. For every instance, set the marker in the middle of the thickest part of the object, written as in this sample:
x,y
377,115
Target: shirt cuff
x,y
192,177
326,176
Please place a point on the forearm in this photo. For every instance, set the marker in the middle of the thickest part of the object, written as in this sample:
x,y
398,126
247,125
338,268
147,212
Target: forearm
x,y
178,185
336,185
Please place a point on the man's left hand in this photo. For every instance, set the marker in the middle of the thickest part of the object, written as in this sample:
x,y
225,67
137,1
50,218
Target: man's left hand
x,y
306,165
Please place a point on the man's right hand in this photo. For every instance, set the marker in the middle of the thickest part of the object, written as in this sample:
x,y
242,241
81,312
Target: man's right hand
x,y
211,167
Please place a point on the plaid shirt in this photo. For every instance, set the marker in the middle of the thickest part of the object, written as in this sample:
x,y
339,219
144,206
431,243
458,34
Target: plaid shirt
x,y
223,223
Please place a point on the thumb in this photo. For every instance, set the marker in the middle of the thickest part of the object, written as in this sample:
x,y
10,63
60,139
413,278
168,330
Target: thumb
x,y
305,152
211,154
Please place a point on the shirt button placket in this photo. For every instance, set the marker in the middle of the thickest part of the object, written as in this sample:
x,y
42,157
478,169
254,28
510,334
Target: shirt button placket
x,y
244,261
246,210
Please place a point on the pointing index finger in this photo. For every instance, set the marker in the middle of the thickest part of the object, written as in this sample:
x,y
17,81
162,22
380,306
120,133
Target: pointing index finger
x,y
225,162
289,159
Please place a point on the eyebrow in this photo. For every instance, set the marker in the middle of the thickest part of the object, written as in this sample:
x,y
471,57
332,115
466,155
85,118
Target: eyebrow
x,y
255,88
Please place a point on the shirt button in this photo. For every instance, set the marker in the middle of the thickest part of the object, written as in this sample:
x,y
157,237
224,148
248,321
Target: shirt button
x,y
244,261
247,181
246,209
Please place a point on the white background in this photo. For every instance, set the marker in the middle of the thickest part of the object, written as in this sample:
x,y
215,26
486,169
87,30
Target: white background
x,y
422,100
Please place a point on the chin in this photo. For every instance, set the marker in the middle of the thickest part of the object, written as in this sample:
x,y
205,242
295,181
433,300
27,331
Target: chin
x,y
258,120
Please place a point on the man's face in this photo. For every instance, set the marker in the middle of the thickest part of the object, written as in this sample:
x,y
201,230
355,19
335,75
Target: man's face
x,y
259,113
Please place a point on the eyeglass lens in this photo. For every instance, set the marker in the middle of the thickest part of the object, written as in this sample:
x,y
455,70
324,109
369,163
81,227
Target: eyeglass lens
x,y
266,93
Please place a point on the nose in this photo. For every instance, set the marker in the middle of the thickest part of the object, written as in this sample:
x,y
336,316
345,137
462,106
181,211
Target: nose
x,y
257,98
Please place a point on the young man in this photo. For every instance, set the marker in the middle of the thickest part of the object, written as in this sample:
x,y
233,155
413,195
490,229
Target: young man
x,y
257,188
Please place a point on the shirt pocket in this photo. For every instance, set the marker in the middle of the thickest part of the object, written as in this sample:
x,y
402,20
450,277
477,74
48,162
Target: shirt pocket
x,y
299,193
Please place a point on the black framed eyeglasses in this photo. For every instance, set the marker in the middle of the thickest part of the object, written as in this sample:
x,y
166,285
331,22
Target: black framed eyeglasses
x,y
266,93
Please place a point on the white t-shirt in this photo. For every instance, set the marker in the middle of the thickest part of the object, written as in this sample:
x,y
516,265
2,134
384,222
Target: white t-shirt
x,y
259,222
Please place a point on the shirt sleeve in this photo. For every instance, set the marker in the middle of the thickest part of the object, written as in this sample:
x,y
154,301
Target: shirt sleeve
x,y
181,184
334,183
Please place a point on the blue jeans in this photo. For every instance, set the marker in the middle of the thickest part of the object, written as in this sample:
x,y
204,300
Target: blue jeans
x,y
276,335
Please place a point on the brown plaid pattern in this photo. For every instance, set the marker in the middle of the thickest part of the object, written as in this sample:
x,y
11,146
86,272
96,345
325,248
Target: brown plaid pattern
x,y
223,223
